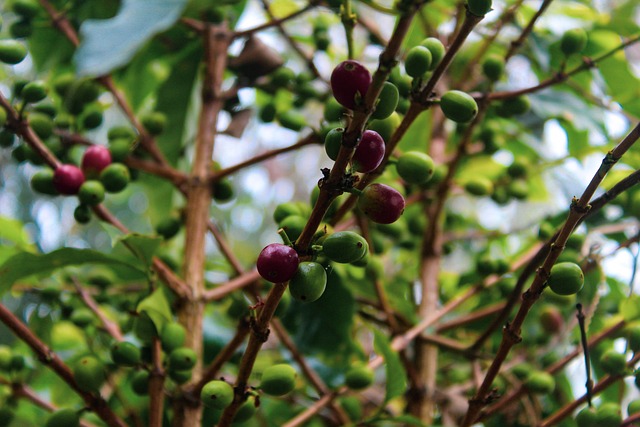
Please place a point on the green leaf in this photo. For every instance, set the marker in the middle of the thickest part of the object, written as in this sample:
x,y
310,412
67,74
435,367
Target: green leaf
x,y
630,308
143,247
111,43
26,264
13,231
396,376
157,307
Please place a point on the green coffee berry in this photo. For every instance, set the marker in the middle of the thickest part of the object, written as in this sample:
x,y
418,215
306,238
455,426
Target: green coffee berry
x,y
268,112
12,52
168,227
89,374
172,336
540,382
479,186
613,363
386,127
180,376
91,193
115,177
573,41
418,61
82,214
458,106
309,282
345,247
293,226
387,101
278,380
566,278
124,353
217,394
140,383
437,50
34,91
41,124
26,9
479,7
513,106
82,317
91,117
493,67
291,119
5,357
120,149
246,410
42,182
415,167
182,358
223,190
154,122
284,210
608,414
333,111
332,142
587,418
66,417
144,328
359,377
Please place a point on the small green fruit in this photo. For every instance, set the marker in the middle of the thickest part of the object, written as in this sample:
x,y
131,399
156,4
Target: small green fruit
x,y
633,337
82,214
573,41
309,282
89,374
168,227
21,29
386,127
144,328
115,177
140,383
42,182
458,106
479,7
18,362
345,247
217,394
293,226
613,363
540,382
633,407
291,119
418,61
608,414
415,167
41,124
333,111
566,278
125,354
180,376
587,418
25,8
284,210
91,193
182,358
332,142
66,417
479,186
154,122
268,112
437,50
91,117
493,67
359,377
5,357
518,189
34,91
387,102
514,106
246,410
82,317
278,380
6,416
12,52
172,336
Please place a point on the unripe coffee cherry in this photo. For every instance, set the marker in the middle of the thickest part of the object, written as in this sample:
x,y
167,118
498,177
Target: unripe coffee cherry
x,y
180,376
168,227
115,177
540,382
566,278
608,414
246,410
41,124
42,182
458,106
479,186
34,91
587,417
91,193
172,336
332,142
26,9
89,374
140,383
278,380
309,282
573,41
293,226
154,122
418,61
387,101
277,263
415,167
345,247
6,416
12,52
613,363
479,7
125,354
350,80
66,417
182,358
216,394
67,179
359,377
513,106
493,67
437,50
82,214
381,203
369,153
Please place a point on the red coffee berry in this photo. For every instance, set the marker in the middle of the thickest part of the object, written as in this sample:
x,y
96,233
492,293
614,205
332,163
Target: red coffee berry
x,y
381,203
348,79
277,263
67,179
96,158
369,153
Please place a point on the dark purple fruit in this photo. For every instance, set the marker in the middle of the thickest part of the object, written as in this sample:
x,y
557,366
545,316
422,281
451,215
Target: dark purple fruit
x,y
67,179
369,153
277,263
350,81
381,203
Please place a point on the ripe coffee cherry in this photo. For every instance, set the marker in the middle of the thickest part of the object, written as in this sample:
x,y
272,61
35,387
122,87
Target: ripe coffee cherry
x,y
381,203
359,377
91,193
493,67
67,179
182,358
479,186
216,394
115,177
540,382
418,61
566,278
437,50
278,380
42,182
172,336
350,80
613,363
387,101
573,41
125,354
458,106
309,282
89,373
415,167
12,52
66,417
277,263
479,7
369,153
345,247
34,91
332,142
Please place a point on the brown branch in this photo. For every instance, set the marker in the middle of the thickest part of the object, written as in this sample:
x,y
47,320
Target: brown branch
x,y
111,327
276,21
516,44
47,357
156,385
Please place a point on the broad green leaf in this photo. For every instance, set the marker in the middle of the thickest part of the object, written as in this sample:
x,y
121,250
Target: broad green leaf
x,y
157,307
13,231
25,264
630,308
578,140
480,165
110,43
143,247
396,381
282,8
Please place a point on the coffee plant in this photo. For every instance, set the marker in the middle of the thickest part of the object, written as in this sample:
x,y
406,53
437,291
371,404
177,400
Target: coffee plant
x,y
319,213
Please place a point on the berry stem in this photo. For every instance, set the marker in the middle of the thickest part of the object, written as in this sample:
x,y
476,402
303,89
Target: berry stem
x,y
585,348
285,238
349,23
